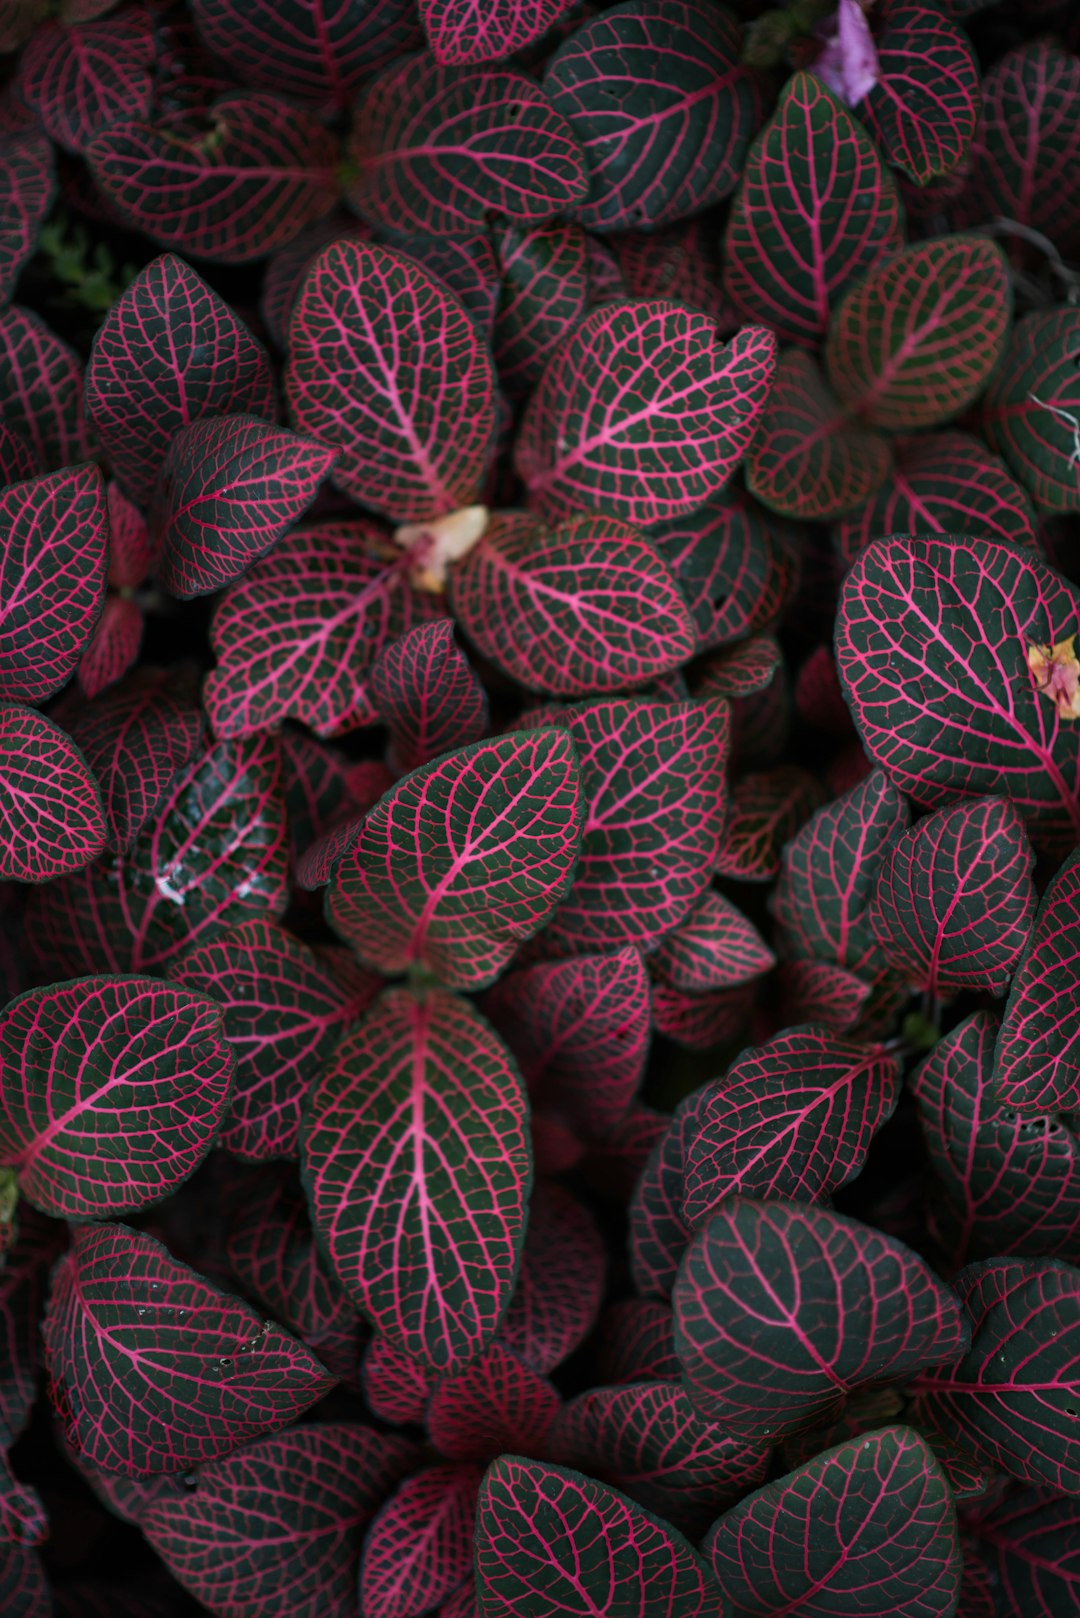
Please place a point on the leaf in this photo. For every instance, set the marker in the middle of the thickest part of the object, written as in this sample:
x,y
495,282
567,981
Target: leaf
x,y
818,992
587,607
324,787
22,1290
295,636
1002,1184
1034,1536
636,1342
281,1518
715,947
580,1031
135,741
1012,1398
871,1521
495,1404
51,815
169,353
427,695
416,1162
396,1386
438,151
924,121
464,859
228,185
915,340
1037,1060
560,1282
472,31
283,1016
809,459
932,646
114,1090
642,414
547,1533
652,779
781,1310
215,854
767,809
79,80
413,422
54,535
663,109
41,390
1032,407
419,1547
18,462
741,670
322,53
954,904
792,1119
23,1587
229,488
648,1440
543,294
947,483
815,208
179,1372
26,164
659,1235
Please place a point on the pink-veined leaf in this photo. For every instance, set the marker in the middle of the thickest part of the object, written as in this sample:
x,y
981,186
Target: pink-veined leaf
x,y
918,617
584,608
472,31
642,413
545,1534
664,109
680,263
700,1022
925,104
653,784
416,1162
287,269
659,1235
152,1369
715,947
560,1281
1032,407
283,1013
1034,1535
819,992
168,353
463,859
869,1524
114,1090
22,1292
767,809
419,1548
1037,1060
18,462
543,294
636,1342
791,1119
1001,1183
324,787
23,1587
497,1403
228,184
427,695
437,150
396,1386
413,421
321,51
28,186
648,1440
52,820
815,208
465,264
954,903
781,1310
41,389
279,1521
79,80
819,700
580,1031
809,459
914,341
54,538
229,488
741,670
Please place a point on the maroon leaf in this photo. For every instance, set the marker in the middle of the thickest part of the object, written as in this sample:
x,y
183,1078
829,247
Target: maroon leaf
x,y
26,165
767,809
427,695
79,80
396,1386
419,1548
229,488
470,31
544,1533
580,1031
637,1342
1037,1060
792,1119
279,1520
870,1522
587,607
464,859
1032,406
428,454
179,1373
228,185
41,390
781,1310
54,536
924,120
168,353
417,1167
437,150
283,1013
114,1090
642,413
560,1281
715,947
543,293
51,816
954,904
495,1404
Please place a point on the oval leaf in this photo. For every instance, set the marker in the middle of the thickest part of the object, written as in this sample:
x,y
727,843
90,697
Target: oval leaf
x,y
470,31
560,1282
51,816
79,80
41,390
925,121
419,1548
1037,1061
427,696
26,165
1032,407
716,947
543,293
495,1404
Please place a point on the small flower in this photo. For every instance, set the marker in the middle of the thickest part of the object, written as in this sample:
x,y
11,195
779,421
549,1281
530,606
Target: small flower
x,y
437,543
1056,671
848,65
